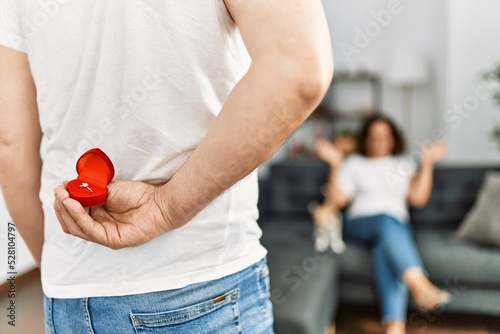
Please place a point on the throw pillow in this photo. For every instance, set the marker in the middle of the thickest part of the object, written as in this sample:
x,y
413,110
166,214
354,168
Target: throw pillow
x,y
482,223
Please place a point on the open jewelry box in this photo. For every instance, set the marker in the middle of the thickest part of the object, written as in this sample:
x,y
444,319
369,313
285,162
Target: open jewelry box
x,y
95,170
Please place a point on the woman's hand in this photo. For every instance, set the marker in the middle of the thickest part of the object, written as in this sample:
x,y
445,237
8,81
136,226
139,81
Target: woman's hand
x,y
434,152
420,188
134,213
328,152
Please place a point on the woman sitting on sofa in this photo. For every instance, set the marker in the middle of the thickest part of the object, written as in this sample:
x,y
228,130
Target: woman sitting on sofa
x,y
377,184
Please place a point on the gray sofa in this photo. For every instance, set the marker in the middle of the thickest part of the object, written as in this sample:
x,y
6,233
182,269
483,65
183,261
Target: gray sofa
x,y
306,287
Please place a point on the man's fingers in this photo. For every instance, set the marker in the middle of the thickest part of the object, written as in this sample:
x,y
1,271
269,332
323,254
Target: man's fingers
x,y
71,225
57,210
60,194
99,214
92,230
75,219
61,190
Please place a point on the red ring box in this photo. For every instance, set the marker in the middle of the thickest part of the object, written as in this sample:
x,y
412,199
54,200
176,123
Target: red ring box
x,y
95,170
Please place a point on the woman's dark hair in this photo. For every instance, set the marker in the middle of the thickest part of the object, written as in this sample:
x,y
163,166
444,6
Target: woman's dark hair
x,y
399,141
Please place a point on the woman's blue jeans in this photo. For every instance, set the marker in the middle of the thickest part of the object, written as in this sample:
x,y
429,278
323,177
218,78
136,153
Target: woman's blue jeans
x,y
393,251
237,303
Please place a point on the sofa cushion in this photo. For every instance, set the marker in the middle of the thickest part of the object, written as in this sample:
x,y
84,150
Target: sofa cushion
x,y
458,262
481,223
356,264
445,260
303,283
453,194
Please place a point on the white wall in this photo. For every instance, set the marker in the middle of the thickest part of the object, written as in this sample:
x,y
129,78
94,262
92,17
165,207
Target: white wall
x,y
24,260
459,38
474,46
418,25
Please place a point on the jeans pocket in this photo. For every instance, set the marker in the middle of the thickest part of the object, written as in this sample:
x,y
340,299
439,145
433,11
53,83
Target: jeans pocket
x,y
216,315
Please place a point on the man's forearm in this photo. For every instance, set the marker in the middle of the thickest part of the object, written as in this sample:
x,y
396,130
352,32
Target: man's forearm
x,y
259,114
20,187
292,67
20,138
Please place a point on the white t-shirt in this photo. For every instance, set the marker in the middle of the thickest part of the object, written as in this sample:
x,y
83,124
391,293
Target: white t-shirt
x,y
376,186
143,80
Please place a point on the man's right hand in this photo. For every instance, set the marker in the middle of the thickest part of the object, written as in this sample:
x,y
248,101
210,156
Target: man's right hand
x,y
134,213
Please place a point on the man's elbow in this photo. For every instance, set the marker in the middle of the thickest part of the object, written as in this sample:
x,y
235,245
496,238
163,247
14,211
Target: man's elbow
x,y
10,150
313,80
304,77
6,145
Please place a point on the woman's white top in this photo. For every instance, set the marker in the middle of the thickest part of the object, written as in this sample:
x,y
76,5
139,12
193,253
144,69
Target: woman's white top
x,y
377,185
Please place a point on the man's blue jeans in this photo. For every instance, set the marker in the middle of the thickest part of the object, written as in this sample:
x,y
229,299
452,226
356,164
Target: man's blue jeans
x,y
233,304
393,251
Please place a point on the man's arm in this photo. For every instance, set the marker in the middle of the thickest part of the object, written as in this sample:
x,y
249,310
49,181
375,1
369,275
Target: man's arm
x,y
291,70
20,136
292,67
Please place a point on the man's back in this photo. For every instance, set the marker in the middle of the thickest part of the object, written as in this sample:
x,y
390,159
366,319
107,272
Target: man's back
x,y
93,76
142,80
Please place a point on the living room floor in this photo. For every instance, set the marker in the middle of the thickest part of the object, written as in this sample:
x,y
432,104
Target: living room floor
x,y
365,320
351,319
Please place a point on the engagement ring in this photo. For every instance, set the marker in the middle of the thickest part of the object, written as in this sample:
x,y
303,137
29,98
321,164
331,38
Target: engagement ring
x,y
85,185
